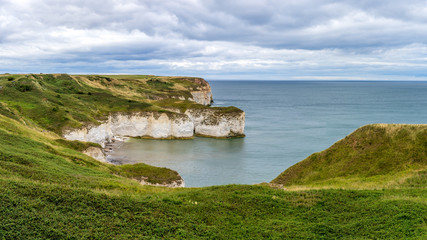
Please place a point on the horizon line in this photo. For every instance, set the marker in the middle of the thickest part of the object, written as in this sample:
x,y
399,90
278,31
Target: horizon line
x,y
291,79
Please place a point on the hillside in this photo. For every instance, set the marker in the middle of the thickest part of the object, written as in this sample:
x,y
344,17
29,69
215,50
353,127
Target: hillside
x,y
374,156
49,189
58,101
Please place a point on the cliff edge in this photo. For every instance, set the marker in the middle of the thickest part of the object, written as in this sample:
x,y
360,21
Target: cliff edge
x,y
96,108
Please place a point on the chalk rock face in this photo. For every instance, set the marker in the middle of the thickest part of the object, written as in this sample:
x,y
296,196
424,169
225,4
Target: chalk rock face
x,y
203,93
143,124
202,97
96,153
213,122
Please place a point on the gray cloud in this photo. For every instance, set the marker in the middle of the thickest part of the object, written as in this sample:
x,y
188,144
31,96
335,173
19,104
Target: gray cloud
x,y
264,38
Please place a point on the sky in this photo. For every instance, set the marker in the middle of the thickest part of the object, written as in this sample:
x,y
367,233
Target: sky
x,y
222,39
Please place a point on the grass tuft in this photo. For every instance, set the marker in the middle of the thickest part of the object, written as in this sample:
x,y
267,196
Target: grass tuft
x,y
147,173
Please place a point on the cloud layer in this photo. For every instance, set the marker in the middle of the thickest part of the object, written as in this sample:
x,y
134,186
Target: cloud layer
x,y
257,39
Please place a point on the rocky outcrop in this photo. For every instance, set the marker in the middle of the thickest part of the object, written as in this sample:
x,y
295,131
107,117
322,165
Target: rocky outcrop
x,y
96,153
202,94
143,124
217,122
202,97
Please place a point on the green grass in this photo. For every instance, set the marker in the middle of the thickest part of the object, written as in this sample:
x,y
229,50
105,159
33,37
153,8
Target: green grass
x,y
374,155
184,105
127,76
160,85
77,145
32,210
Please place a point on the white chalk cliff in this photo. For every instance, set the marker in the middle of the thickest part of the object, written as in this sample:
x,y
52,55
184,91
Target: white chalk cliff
x,y
209,122
203,97
143,124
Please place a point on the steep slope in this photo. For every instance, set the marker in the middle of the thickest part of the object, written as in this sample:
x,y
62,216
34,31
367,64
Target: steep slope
x,y
31,153
376,155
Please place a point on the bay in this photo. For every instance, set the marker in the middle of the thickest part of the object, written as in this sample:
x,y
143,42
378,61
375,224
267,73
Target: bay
x,y
286,121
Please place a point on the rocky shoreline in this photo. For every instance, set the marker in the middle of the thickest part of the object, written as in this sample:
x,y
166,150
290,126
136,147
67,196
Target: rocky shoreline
x,y
107,155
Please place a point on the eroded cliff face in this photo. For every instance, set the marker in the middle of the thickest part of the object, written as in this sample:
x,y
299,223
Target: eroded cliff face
x,y
202,97
211,122
203,93
143,124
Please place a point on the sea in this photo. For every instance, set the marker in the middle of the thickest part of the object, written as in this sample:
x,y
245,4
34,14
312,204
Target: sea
x,y
286,121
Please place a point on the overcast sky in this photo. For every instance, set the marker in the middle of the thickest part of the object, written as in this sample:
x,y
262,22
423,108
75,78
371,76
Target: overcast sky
x,y
239,39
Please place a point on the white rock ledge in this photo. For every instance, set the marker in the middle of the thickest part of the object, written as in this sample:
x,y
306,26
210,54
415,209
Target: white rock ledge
x,y
209,122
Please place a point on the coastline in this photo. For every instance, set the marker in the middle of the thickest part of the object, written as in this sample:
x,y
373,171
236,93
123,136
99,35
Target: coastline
x,y
118,160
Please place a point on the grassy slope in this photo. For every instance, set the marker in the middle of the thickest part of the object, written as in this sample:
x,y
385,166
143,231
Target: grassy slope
x,y
48,189
374,156
31,153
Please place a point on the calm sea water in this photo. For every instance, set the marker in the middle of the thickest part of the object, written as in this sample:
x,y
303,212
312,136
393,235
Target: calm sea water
x,y
285,122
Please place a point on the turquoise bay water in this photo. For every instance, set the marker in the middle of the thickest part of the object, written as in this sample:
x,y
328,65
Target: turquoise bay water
x,y
286,121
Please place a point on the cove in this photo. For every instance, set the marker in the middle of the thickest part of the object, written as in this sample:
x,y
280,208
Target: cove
x,y
286,121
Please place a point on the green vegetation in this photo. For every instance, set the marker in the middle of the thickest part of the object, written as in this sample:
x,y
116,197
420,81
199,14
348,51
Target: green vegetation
x,y
32,210
77,145
50,190
147,173
59,101
374,156
160,85
183,105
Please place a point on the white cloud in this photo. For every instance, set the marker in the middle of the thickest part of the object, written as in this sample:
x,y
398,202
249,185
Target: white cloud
x,y
222,39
